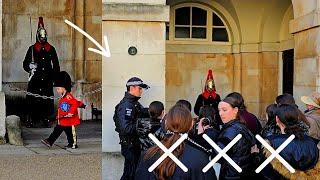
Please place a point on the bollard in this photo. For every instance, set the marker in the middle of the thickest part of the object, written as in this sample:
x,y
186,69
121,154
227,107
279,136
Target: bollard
x,y
14,130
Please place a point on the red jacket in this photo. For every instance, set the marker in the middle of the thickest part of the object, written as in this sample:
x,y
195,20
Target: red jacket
x,y
68,110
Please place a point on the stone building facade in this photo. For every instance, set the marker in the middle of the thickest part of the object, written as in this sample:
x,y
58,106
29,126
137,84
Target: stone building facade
x,y
258,48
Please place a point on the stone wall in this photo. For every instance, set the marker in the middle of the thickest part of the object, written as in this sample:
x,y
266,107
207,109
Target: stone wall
x,y
255,75
270,71
306,30
71,46
186,74
253,52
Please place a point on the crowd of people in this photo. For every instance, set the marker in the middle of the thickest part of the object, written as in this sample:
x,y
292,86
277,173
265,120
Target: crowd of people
x,y
221,120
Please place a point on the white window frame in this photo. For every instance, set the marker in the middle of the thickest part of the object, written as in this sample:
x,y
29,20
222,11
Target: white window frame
x,y
209,27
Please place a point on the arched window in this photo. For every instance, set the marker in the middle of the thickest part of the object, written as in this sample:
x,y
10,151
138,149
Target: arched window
x,y
196,22
219,29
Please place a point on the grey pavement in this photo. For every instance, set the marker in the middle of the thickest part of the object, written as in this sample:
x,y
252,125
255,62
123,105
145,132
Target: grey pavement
x,y
47,167
89,141
36,161
112,165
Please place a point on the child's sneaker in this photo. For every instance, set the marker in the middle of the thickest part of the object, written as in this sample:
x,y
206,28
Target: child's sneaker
x,y
46,142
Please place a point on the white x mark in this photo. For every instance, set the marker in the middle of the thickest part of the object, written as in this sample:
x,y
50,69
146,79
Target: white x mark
x,y
222,153
275,154
168,152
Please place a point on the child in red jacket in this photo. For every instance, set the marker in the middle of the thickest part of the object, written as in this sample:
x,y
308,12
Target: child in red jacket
x,y
67,116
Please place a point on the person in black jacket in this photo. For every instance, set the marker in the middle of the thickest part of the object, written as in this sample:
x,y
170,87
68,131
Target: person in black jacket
x,y
302,152
208,97
288,99
245,153
178,122
241,151
271,127
125,118
207,125
249,119
185,103
160,133
150,125
41,62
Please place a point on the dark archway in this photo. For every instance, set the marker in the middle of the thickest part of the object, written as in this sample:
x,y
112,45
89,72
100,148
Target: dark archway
x,y
288,68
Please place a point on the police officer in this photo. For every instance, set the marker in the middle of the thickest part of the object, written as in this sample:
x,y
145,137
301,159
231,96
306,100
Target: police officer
x,y
125,117
41,62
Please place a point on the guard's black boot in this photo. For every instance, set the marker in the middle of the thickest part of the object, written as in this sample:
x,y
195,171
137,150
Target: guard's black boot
x,y
46,123
29,123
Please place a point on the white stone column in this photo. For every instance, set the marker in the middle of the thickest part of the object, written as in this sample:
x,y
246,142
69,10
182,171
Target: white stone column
x,y
2,96
306,31
1,45
126,24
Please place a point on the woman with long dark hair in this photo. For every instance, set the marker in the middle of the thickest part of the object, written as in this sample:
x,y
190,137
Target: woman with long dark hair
x,y
302,152
289,100
207,125
240,153
271,127
178,122
249,119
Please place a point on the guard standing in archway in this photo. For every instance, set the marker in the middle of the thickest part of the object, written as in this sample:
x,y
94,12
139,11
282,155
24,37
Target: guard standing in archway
x,y
209,97
41,62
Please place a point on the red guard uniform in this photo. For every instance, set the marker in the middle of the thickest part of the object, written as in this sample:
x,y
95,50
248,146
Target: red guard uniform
x,y
68,116
68,111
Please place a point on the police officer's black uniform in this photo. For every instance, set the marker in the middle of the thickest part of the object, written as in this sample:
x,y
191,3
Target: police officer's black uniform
x,y
125,117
